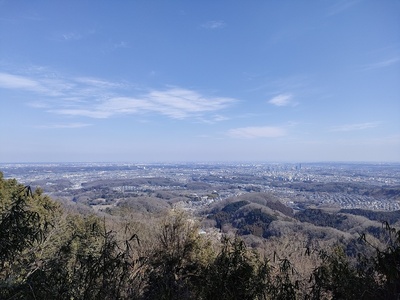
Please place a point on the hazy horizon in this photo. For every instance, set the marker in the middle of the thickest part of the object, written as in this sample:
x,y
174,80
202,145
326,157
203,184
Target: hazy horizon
x,y
204,162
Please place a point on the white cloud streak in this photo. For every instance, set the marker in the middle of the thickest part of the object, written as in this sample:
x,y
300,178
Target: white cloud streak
x,y
98,82
10,81
71,36
281,100
176,103
98,98
355,127
45,86
213,25
341,6
383,64
67,126
257,132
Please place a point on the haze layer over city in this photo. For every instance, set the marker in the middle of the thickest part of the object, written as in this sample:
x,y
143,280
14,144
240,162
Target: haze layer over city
x,y
198,185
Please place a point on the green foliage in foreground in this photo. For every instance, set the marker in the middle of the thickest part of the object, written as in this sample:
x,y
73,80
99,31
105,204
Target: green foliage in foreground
x,y
47,253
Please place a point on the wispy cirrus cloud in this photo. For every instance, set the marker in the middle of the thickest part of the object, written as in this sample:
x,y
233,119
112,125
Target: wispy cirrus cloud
x,y
341,6
257,132
214,24
288,90
99,98
282,100
383,64
176,103
100,83
67,126
121,44
355,127
10,81
51,85
71,36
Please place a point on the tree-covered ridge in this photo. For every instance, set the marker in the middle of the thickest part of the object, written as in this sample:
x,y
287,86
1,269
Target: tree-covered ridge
x,y
382,216
249,214
48,251
321,218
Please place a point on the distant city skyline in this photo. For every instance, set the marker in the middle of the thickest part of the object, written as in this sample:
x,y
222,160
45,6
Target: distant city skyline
x,y
206,81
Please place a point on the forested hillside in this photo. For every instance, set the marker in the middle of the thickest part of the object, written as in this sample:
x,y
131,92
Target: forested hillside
x,y
259,249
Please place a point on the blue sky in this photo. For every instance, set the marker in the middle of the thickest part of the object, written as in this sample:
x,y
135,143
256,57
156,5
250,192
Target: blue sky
x,y
151,81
